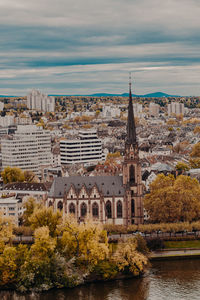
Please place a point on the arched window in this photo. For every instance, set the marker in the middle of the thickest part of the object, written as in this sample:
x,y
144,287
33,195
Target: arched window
x,y
108,210
119,209
132,175
132,207
95,210
72,208
50,203
60,205
83,210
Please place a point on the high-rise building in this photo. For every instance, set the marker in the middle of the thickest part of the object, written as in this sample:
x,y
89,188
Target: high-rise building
x,y
176,108
154,109
29,148
88,148
40,102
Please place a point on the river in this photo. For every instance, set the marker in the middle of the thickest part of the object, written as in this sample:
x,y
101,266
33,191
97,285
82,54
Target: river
x,y
167,280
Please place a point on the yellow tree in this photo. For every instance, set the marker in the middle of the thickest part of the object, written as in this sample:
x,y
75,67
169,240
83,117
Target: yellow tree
x,y
195,150
86,241
182,166
6,231
29,206
173,200
128,258
43,216
12,175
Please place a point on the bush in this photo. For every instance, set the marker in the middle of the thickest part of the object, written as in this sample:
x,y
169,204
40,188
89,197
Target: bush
x,y
106,269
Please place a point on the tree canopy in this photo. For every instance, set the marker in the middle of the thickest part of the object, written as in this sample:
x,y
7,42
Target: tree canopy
x,y
173,200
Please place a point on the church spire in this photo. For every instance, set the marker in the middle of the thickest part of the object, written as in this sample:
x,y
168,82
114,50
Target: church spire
x,y
131,130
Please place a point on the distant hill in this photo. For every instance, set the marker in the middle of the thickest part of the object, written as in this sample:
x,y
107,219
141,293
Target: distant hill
x,y
151,95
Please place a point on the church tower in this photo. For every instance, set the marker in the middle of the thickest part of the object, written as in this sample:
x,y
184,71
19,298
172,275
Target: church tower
x,y
132,179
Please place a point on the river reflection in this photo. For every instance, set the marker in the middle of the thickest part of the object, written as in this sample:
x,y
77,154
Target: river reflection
x,y
169,280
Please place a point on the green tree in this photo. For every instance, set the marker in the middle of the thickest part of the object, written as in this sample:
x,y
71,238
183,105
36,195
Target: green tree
x,y
10,175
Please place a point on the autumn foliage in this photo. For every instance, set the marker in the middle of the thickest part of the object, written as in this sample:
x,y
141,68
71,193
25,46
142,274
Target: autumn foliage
x,y
173,200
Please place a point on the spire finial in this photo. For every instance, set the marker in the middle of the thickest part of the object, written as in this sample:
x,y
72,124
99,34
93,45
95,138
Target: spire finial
x,y
129,81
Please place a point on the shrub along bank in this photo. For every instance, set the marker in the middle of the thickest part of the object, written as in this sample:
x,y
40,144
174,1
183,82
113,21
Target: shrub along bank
x,y
81,254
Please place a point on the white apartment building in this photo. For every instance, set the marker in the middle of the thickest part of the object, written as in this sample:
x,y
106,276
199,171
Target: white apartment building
x,y
10,207
29,148
154,109
1,106
40,102
137,107
110,111
86,149
175,108
7,121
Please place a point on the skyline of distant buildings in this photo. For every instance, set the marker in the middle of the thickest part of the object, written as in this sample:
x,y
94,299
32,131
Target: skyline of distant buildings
x,y
40,102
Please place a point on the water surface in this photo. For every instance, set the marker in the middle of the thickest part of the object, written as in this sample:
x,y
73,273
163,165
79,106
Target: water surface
x,y
168,280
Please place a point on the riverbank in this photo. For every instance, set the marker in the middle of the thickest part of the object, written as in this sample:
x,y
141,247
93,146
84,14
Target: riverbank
x,y
175,254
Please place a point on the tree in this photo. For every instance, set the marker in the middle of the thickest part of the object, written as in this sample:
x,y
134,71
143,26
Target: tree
x,y
12,175
173,200
6,230
195,163
43,216
86,241
182,166
195,151
127,258
29,206
29,176
197,130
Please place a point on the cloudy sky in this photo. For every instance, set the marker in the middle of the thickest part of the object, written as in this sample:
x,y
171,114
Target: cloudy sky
x,y
89,46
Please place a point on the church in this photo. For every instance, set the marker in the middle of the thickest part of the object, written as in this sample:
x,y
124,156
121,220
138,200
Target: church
x,y
114,200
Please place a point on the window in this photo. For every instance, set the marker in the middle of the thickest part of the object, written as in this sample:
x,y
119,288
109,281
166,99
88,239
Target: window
x,y
60,205
71,196
83,196
108,210
119,209
95,196
95,210
132,175
83,210
132,207
72,208
50,203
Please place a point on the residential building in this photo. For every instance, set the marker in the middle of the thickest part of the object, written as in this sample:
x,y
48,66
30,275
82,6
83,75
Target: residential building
x,y
29,148
6,121
40,102
1,106
110,111
154,109
86,149
10,207
176,108
107,199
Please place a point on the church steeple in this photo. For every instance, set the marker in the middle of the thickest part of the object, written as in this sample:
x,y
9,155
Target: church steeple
x,y
131,130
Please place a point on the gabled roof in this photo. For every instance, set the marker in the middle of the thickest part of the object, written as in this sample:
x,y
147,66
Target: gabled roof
x,y
26,186
107,185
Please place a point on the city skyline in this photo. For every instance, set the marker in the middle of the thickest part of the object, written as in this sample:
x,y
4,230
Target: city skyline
x,y
89,47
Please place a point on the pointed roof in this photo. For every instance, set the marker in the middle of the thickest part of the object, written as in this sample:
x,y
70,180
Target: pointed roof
x,y
131,130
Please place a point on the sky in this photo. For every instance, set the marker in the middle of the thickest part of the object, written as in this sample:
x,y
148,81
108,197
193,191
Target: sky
x,y
89,46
